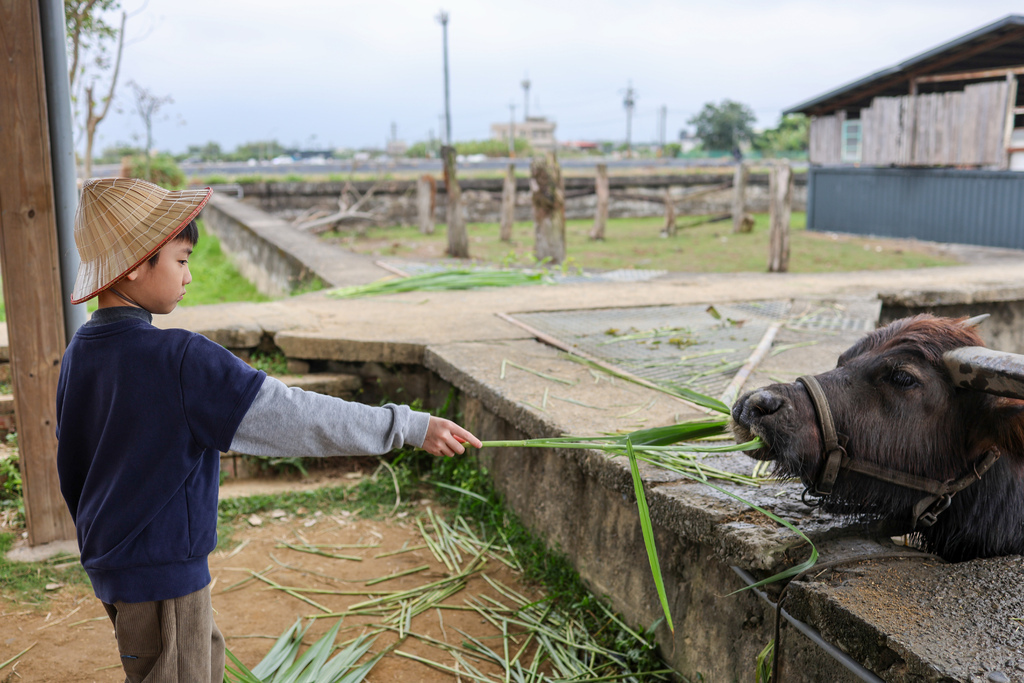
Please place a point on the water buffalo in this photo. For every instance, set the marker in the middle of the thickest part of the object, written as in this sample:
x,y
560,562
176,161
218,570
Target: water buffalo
x,y
917,426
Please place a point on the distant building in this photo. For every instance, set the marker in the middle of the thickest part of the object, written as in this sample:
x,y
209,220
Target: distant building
x,y
687,141
581,145
397,148
536,130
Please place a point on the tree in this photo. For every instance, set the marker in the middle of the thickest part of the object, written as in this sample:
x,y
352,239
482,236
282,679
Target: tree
x,y
791,135
725,125
89,38
211,151
147,106
261,149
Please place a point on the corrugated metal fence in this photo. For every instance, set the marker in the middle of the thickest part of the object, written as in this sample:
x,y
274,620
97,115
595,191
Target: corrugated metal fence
x,y
939,205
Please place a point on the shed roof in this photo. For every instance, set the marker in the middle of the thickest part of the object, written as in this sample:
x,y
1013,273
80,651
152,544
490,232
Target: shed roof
x,y
999,44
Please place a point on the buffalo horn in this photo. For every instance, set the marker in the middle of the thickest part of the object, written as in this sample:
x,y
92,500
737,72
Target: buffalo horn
x,y
983,369
976,320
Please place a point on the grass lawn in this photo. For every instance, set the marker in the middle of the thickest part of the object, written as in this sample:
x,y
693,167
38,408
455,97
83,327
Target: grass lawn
x,y
636,243
215,279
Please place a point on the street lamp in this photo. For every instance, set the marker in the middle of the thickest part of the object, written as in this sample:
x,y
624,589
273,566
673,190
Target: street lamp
x,y
442,17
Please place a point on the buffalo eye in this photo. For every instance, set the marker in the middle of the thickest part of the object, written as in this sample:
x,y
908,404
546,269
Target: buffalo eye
x,y
902,379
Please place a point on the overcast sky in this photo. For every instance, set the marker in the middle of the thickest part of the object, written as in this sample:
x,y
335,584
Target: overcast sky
x,y
319,73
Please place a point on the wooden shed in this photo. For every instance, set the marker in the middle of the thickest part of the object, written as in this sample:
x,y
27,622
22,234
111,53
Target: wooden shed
x,y
957,105
931,148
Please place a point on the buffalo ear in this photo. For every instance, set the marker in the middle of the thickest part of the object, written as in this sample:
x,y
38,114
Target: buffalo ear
x,y
983,369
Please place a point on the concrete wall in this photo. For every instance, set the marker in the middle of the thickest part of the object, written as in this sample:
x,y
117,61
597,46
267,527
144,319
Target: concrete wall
x,y
276,257
255,243
395,201
1003,330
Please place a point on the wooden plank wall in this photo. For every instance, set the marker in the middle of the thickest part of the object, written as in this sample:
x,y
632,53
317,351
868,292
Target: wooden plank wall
x,y
31,272
825,138
963,128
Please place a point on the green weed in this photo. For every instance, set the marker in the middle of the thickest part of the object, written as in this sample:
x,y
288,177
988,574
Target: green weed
x,y
214,278
272,363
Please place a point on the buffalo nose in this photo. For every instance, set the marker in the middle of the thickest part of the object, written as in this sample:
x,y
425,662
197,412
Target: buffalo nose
x,y
755,406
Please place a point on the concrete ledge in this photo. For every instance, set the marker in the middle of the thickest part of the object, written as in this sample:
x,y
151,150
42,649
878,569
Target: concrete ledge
x,y
44,551
314,346
970,294
1003,331
329,384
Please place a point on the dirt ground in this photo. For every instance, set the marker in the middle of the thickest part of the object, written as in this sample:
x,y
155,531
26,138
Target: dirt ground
x,y
74,641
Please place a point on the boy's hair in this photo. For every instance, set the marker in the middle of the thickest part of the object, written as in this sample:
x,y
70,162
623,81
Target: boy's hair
x,y
190,234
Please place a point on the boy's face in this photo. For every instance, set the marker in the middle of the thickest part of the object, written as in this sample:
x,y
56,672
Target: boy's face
x,y
159,288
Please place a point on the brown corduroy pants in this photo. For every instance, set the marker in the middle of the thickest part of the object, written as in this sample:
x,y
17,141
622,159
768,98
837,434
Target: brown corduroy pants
x,y
169,640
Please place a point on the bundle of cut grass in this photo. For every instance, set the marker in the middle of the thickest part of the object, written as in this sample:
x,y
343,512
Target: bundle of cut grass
x,y
283,665
675,448
454,279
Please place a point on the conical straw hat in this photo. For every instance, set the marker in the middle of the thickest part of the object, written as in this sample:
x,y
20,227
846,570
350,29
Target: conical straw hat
x,y
121,222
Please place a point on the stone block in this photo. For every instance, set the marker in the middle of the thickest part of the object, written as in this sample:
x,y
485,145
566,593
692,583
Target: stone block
x,y
298,367
340,386
315,346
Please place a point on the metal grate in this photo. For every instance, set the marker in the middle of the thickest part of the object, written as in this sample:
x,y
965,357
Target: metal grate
x,y
683,345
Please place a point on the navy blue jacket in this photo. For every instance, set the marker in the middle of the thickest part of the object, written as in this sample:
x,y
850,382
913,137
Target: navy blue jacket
x,y
142,414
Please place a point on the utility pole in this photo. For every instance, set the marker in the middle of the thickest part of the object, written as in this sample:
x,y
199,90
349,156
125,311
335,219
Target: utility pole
x,y
661,128
629,102
512,131
526,98
442,17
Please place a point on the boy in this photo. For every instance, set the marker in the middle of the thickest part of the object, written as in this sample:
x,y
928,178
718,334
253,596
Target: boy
x,y
142,414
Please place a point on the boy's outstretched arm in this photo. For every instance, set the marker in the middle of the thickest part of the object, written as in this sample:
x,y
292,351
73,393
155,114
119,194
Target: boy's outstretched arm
x,y
289,422
444,437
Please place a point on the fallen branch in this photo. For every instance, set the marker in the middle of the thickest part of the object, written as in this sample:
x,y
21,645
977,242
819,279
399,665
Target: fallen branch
x,y
346,213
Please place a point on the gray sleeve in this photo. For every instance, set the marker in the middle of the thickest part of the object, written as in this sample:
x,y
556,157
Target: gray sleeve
x,y
289,422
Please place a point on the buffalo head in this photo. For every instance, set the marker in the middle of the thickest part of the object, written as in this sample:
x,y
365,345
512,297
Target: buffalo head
x,y
924,419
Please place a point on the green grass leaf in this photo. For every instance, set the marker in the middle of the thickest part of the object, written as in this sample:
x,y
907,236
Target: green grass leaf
x,y
448,280
648,533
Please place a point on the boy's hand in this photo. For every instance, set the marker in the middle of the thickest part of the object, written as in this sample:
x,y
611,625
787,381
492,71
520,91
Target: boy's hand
x,y
444,437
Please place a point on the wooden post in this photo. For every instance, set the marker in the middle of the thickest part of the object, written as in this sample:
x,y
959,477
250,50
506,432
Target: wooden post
x,y
31,271
780,186
508,204
458,240
426,202
548,208
601,214
739,191
670,215
1011,105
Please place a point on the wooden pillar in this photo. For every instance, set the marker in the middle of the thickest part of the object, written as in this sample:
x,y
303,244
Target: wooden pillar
x,y
739,203
670,215
601,214
458,240
30,267
548,208
508,204
1011,106
781,190
426,202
